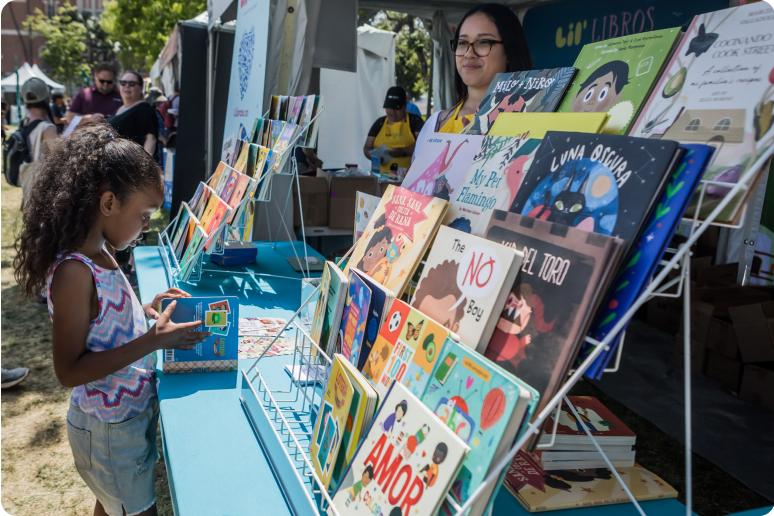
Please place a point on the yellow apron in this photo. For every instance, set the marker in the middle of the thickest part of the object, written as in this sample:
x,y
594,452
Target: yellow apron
x,y
394,135
456,123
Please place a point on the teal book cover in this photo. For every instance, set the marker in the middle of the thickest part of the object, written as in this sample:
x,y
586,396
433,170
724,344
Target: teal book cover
x,y
484,405
219,315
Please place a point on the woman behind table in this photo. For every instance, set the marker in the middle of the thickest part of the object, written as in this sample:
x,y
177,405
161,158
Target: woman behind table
x,y
392,137
489,40
136,119
98,191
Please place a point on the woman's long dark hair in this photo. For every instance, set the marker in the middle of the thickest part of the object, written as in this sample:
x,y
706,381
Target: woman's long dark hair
x,y
511,33
65,196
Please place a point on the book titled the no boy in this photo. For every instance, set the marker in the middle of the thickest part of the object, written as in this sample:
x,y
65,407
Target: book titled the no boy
x,y
218,352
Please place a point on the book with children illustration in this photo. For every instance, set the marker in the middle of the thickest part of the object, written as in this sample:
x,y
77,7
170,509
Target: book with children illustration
x,y
406,462
218,352
718,89
606,427
330,306
524,91
381,300
603,183
616,76
397,236
464,284
331,423
538,490
485,406
440,164
491,182
550,304
357,308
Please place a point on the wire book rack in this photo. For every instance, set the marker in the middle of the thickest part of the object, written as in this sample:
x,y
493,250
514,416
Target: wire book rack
x,y
283,412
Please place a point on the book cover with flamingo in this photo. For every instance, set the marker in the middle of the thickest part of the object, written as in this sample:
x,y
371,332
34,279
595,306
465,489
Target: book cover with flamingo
x,y
440,164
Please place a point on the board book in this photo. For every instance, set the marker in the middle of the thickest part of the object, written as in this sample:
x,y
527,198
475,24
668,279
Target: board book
x,y
326,321
357,308
381,300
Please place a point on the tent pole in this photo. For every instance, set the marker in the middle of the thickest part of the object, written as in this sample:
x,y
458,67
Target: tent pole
x,y
208,146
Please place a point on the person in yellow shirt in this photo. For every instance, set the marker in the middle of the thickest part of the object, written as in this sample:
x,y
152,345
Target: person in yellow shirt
x,y
489,40
391,139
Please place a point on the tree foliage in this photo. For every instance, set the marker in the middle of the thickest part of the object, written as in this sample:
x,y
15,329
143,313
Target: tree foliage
x,y
65,35
139,28
413,48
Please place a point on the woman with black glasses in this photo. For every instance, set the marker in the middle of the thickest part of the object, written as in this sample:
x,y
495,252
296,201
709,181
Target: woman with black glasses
x,y
489,40
136,119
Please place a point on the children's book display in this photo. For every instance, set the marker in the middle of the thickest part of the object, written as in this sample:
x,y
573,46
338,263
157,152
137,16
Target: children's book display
x,y
407,461
616,76
397,236
381,301
531,90
365,206
218,352
440,164
718,88
334,286
464,284
537,124
357,309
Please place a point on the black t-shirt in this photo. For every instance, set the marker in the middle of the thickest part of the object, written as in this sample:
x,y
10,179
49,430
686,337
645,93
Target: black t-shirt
x,y
415,123
136,122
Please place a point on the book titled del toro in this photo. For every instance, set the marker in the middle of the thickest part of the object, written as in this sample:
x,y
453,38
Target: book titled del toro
x,y
407,461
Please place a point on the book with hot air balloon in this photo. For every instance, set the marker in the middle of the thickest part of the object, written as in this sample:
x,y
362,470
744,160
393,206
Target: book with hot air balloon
x,y
485,406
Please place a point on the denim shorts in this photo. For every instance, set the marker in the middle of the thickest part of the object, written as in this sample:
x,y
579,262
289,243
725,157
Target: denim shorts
x,y
116,460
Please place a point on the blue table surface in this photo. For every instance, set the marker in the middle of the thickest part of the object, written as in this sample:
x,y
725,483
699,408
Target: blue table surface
x,y
214,463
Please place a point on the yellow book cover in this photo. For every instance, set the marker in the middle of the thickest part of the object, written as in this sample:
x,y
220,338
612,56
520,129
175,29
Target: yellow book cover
x,y
397,236
331,421
536,124
241,163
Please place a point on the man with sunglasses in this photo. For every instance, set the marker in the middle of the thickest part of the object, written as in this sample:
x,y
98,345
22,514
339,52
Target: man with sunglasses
x,y
101,100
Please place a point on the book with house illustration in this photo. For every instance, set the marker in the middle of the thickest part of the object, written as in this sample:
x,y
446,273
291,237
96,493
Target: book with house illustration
x,y
334,286
603,183
491,181
641,261
219,315
549,307
524,91
440,164
407,461
381,301
538,124
616,76
485,406
718,88
538,490
357,308
397,237
464,284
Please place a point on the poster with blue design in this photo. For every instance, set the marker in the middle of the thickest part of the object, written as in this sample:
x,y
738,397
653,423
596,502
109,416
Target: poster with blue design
x,y
248,71
599,183
641,262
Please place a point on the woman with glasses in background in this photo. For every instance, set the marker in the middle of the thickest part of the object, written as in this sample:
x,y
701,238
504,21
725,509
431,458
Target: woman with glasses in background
x,y
489,40
136,119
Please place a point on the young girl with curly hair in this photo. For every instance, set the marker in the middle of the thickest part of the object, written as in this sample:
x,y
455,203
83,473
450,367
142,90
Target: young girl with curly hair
x,y
95,194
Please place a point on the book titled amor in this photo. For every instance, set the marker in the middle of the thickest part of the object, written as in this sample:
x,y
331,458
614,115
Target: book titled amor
x,y
550,304
464,284
397,236
407,461
219,351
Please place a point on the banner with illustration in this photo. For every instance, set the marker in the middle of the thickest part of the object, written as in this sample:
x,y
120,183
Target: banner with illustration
x,y
248,70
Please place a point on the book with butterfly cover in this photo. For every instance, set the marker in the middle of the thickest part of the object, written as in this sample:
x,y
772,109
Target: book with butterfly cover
x,y
381,300
485,406
603,183
397,236
491,182
718,89
642,260
538,490
406,349
355,316
523,91
464,284
550,304
440,164
334,285
616,76
406,462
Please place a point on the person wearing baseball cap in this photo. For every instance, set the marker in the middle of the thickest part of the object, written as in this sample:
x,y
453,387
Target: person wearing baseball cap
x,y
391,139
38,129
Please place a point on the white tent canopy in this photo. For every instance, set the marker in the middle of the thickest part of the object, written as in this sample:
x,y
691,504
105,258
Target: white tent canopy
x,y
25,72
353,101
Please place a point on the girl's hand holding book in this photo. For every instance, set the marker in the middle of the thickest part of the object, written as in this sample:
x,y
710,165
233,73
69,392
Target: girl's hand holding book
x,y
168,334
154,307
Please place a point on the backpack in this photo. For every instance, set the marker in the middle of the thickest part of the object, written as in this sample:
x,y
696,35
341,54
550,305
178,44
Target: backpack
x,y
16,150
